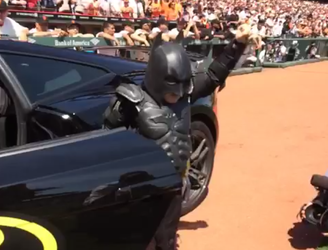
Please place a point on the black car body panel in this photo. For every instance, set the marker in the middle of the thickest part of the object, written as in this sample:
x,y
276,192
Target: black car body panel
x,y
93,189
114,197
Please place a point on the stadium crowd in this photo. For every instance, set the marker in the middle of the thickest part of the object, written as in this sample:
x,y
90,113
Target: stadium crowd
x,y
273,18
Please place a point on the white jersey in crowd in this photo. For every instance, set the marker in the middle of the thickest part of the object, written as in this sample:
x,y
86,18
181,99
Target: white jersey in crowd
x,y
116,35
277,30
261,32
32,31
175,32
157,30
11,28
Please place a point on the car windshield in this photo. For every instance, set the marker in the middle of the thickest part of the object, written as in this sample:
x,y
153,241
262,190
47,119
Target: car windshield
x,y
43,77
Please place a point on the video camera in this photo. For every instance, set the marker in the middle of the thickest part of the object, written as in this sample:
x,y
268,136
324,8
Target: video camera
x,y
317,213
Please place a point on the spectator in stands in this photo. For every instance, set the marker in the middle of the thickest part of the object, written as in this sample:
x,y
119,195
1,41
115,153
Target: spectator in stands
x,y
74,30
109,33
42,29
8,26
18,2
186,27
155,8
126,34
126,10
104,7
287,26
45,3
143,34
161,26
277,29
140,8
93,8
259,28
114,7
66,6
172,12
219,29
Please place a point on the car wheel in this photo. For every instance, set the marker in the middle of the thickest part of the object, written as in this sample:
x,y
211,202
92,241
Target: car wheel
x,y
201,166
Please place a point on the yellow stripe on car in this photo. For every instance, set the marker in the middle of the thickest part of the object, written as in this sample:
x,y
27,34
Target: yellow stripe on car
x,y
2,237
46,238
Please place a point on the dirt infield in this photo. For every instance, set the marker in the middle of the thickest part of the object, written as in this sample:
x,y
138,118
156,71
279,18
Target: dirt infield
x,y
273,137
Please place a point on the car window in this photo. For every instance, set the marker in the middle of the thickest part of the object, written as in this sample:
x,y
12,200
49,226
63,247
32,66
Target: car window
x,y
42,77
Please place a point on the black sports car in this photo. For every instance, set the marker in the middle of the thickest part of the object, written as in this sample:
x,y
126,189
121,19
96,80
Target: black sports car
x,y
65,183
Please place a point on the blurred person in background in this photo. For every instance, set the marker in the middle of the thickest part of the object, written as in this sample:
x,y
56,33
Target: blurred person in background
x,y
136,6
104,7
126,33
311,51
148,10
259,28
45,3
277,29
187,13
164,7
9,27
114,8
161,26
178,7
108,33
75,30
126,10
287,26
281,52
171,12
18,2
42,29
156,8
210,14
293,52
219,29
204,33
93,8
186,27
66,5
141,8
144,33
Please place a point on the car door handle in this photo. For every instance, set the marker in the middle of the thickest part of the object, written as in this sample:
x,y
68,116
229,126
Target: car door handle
x,y
123,194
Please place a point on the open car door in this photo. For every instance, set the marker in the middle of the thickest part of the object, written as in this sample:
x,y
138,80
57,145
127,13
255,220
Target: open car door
x,y
98,190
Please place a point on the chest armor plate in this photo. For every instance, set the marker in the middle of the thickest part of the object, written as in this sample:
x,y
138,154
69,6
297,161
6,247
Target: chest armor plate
x,y
169,126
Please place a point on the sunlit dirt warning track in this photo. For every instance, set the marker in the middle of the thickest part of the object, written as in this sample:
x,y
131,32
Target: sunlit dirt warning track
x,y
273,137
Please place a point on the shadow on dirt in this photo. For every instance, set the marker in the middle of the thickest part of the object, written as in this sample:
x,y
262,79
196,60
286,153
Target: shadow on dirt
x,y
186,225
304,236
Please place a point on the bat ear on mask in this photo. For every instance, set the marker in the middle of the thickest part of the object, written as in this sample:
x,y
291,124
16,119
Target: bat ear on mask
x,y
157,42
179,37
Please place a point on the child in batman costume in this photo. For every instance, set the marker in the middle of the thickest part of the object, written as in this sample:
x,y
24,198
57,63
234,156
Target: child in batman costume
x,y
159,108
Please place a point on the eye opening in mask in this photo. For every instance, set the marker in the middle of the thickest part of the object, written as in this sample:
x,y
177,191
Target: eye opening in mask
x,y
171,80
